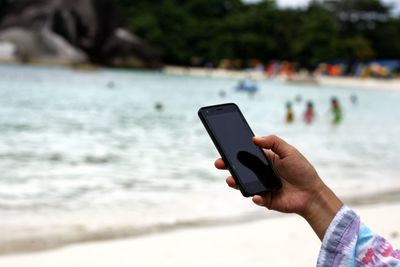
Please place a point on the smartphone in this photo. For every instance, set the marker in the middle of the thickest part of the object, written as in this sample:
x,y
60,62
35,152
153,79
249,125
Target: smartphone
x,y
246,161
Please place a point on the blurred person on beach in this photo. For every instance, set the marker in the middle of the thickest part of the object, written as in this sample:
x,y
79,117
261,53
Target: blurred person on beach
x,y
336,111
289,113
309,113
346,241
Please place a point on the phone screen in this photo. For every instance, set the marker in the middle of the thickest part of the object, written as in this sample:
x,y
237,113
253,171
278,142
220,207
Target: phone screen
x,y
247,162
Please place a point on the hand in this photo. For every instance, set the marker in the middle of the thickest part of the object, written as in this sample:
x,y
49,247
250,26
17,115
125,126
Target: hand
x,y
303,192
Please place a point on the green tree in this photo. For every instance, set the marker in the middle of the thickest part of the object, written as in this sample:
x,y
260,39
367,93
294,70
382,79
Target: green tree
x,y
317,38
213,30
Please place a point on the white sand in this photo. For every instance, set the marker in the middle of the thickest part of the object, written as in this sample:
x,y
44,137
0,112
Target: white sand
x,y
285,241
215,73
346,82
354,82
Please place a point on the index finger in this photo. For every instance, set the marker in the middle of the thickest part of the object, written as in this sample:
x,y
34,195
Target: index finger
x,y
274,143
219,164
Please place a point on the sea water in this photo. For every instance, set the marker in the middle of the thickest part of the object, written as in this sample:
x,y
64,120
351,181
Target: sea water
x,y
86,155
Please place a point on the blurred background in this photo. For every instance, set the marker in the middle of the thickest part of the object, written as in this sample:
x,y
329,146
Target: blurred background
x,y
99,135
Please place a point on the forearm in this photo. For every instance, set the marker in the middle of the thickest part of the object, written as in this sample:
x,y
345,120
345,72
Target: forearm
x,y
322,210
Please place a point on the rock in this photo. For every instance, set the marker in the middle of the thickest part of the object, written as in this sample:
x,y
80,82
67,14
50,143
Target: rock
x,y
7,51
41,46
73,32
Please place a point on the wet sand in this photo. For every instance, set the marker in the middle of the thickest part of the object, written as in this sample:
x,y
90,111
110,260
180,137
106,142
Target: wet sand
x,y
282,241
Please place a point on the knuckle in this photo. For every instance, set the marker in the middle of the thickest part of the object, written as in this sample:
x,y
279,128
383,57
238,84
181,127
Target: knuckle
x,y
273,136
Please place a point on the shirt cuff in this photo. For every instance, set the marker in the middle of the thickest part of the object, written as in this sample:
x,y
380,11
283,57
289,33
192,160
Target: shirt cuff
x,y
340,238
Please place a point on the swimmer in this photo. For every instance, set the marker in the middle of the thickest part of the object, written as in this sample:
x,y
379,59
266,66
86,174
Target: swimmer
x,y
110,85
222,94
298,99
159,106
309,114
336,111
354,99
289,113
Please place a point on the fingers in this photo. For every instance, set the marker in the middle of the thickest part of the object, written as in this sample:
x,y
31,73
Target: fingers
x,y
219,164
264,201
270,155
274,143
231,182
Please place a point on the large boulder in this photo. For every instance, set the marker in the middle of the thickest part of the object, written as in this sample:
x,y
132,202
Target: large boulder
x,y
72,32
40,46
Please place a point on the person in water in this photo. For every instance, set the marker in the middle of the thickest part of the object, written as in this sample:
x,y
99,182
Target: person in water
x,y
159,106
289,113
354,99
298,98
309,114
336,111
346,241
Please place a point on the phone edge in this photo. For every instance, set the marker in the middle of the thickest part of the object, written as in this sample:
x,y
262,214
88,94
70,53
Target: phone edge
x,y
220,151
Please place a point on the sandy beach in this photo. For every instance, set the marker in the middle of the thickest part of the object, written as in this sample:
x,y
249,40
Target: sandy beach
x,y
344,82
283,241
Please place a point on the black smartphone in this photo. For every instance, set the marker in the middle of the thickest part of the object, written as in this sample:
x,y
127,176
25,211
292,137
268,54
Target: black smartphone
x,y
246,161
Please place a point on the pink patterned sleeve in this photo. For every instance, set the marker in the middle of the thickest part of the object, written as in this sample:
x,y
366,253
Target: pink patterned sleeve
x,y
348,242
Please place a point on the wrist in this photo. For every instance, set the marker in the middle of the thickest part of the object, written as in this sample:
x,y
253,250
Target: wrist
x,y
322,209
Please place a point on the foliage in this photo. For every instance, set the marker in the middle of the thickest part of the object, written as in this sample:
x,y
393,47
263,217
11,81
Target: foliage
x,y
211,30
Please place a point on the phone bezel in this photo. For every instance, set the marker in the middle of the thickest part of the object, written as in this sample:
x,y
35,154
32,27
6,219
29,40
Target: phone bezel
x,y
245,188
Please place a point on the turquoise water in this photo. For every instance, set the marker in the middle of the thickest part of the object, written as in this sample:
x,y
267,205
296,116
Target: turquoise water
x,y
80,160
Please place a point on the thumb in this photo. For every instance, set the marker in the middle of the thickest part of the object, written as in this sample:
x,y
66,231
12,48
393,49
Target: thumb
x,y
274,143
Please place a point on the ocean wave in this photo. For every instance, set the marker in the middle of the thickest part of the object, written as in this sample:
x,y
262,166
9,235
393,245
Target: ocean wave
x,y
54,237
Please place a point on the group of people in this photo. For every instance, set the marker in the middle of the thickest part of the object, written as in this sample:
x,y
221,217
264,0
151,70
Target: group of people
x,y
309,113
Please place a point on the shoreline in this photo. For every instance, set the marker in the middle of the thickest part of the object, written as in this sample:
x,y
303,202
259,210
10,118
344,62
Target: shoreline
x,y
320,80
44,244
392,84
259,243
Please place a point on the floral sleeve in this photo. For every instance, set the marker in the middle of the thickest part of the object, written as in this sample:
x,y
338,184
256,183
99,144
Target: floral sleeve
x,y
348,242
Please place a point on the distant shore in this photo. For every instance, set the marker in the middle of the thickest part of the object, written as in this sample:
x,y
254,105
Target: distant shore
x,y
354,82
320,80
